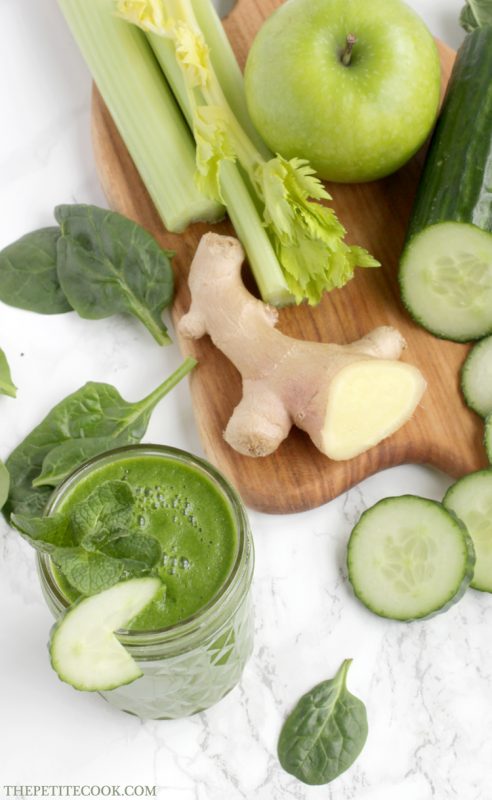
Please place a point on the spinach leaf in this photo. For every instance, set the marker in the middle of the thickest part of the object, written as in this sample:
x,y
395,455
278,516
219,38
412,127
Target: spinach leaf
x,y
58,462
325,732
6,385
4,484
94,413
97,262
87,572
476,14
45,533
28,274
108,264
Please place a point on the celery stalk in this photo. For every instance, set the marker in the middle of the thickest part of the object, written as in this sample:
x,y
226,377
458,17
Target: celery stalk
x,y
227,68
254,237
239,201
143,109
307,237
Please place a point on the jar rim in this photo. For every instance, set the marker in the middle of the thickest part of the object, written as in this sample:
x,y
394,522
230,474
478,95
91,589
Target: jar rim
x,y
207,614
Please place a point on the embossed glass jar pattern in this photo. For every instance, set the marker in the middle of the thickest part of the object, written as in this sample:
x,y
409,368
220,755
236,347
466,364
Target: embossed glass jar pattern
x,y
191,665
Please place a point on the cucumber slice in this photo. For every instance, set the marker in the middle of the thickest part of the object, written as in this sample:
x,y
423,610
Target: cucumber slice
x,y
446,280
83,648
488,437
476,378
470,499
446,270
409,558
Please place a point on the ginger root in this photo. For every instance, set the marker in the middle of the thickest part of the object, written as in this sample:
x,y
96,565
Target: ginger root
x,y
346,397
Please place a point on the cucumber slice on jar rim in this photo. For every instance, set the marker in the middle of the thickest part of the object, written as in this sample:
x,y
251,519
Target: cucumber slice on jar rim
x,y
83,648
470,499
409,558
446,280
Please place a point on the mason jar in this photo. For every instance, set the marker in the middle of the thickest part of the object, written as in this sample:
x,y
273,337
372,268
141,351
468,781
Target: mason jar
x,y
188,666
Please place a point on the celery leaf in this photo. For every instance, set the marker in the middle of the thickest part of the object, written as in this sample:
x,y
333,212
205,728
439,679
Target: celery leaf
x,y
307,236
147,14
192,53
213,146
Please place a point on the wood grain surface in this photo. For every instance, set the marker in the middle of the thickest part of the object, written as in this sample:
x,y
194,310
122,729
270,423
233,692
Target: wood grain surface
x,y
443,432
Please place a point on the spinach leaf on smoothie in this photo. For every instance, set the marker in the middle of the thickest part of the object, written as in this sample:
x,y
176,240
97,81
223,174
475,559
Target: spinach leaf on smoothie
x,y
6,385
44,533
106,512
105,522
88,546
96,414
138,552
108,264
324,733
87,572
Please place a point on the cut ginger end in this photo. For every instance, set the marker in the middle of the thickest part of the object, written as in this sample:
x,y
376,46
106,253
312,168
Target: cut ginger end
x,y
347,398
367,402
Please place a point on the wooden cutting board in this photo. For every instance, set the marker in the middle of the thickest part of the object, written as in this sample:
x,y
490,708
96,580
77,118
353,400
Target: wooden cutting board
x,y
443,432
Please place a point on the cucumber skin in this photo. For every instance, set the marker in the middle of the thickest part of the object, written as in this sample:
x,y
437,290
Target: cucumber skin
x,y
439,333
486,471
470,402
453,186
487,437
60,671
465,582
54,661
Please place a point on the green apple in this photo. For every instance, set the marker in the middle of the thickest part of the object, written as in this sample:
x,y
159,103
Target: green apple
x,y
351,85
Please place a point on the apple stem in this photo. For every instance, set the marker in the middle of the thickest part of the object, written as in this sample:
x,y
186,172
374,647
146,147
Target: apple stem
x,y
347,53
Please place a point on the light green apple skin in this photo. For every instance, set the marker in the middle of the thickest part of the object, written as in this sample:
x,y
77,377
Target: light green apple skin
x,y
353,123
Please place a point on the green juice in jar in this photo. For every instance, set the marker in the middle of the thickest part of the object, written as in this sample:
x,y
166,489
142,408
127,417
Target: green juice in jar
x,y
192,521
194,638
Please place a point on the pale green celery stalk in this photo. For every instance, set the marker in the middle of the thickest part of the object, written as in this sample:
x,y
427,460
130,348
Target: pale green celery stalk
x,y
143,109
227,68
239,202
306,235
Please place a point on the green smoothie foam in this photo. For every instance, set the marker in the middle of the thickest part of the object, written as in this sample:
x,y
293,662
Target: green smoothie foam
x,y
192,520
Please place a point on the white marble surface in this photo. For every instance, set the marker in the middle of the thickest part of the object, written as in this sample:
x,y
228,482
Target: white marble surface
x,y
427,686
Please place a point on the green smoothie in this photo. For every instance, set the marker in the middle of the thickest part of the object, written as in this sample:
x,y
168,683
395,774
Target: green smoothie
x,y
192,520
